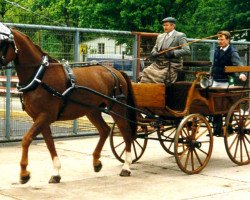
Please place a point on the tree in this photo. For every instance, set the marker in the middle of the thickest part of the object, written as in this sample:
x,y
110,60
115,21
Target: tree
x,y
3,10
211,16
239,18
197,18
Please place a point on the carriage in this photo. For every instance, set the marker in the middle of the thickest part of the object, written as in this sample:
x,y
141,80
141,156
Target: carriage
x,y
54,92
180,117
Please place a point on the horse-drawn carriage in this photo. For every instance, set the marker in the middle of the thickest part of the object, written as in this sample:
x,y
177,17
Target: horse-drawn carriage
x,y
53,92
180,117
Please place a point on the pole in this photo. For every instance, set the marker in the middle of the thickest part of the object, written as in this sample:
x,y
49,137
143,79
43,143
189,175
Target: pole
x,y
135,61
7,105
76,59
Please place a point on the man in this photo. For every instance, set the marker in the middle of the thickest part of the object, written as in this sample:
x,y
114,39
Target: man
x,y
166,61
224,55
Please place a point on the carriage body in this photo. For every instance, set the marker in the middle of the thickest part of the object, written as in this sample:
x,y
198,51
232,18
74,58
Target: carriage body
x,y
182,116
156,98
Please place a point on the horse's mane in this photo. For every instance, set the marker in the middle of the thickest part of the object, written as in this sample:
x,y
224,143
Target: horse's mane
x,y
51,59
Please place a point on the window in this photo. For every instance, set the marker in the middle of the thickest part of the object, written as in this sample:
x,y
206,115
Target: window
x,y
101,47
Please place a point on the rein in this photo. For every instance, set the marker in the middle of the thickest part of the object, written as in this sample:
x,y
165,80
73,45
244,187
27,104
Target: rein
x,y
2,67
65,96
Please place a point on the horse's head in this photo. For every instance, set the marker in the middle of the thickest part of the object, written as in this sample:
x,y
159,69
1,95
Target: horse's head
x,y
8,49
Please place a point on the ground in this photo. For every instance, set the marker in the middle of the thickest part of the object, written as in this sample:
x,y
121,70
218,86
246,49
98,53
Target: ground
x,y
155,176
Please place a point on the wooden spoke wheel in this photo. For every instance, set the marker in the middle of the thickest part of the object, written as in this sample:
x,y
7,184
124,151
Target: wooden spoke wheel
x,y
117,144
166,137
193,143
237,132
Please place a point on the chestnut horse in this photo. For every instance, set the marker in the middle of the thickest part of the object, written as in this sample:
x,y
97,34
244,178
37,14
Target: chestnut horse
x,y
40,75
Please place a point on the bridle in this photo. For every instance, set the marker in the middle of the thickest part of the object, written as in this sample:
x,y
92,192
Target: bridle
x,y
4,47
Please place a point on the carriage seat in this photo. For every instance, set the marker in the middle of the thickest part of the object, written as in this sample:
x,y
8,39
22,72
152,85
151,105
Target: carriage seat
x,y
157,95
176,94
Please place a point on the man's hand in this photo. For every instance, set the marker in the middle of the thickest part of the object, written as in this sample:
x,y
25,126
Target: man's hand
x,y
243,77
154,54
169,55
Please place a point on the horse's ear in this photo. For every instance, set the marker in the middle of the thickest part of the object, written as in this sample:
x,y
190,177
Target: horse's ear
x,y
13,29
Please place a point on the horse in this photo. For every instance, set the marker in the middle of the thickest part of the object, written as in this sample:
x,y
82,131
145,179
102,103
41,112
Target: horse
x,y
48,97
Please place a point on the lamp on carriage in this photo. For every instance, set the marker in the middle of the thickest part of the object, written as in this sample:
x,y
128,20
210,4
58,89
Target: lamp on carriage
x,y
206,81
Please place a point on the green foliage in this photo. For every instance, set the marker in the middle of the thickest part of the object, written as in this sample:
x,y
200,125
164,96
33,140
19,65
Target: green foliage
x,y
197,18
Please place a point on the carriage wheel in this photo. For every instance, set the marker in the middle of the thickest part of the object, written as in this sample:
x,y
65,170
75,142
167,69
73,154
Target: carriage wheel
x,y
118,145
237,132
166,137
193,144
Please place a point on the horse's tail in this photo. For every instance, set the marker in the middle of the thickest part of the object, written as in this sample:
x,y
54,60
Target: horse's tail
x,y
131,113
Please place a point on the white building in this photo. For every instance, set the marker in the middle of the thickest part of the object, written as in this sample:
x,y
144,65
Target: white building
x,y
101,48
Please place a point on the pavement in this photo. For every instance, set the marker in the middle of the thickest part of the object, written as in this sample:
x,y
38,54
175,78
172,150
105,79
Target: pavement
x,y
155,176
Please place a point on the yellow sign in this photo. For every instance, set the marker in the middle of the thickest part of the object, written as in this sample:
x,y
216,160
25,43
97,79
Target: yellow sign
x,y
83,48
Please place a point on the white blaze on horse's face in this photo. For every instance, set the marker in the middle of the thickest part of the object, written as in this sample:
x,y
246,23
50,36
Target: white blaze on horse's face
x,y
4,30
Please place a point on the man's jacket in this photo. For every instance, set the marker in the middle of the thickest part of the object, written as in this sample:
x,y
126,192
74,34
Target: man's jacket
x,y
176,39
230,57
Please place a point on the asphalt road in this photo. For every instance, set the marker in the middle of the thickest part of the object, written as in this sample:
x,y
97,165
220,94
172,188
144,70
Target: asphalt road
x,y
155,176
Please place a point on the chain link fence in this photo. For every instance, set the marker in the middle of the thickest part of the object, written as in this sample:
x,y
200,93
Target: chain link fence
x,y
112,48
122,50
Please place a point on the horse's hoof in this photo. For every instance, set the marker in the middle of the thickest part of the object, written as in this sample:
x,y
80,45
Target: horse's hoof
x,y
55,179
24,179
125,173
98,167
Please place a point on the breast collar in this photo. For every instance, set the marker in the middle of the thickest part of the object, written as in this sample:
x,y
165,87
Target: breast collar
x,y
37,78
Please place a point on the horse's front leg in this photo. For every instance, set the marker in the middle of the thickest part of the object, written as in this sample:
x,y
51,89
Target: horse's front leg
x,y
36,128
126,166
125,130
128,159
47,135
97,120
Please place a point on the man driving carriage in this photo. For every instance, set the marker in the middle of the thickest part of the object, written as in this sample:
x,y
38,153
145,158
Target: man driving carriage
x,y
166,61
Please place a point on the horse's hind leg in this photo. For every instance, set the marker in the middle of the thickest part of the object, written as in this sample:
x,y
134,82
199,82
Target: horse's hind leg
x,y
47,135
103,129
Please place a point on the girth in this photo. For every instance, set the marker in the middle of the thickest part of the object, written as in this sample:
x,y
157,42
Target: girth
x,y
70,82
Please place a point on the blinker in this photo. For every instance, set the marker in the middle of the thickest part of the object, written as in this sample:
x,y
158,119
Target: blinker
x,y
11,37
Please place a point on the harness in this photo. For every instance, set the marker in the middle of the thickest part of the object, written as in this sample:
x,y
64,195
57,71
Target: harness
x,y
37,78
7,39
71,86
6,42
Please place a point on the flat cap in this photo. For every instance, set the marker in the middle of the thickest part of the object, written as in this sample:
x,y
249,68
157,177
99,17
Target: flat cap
x,y
169,19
